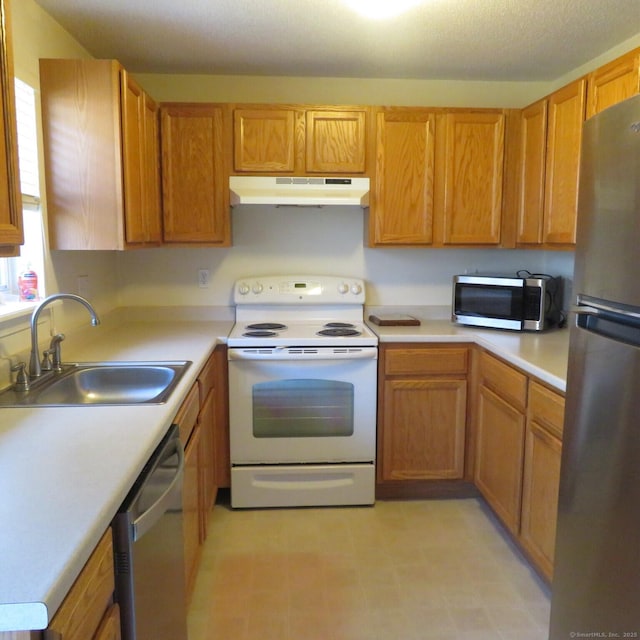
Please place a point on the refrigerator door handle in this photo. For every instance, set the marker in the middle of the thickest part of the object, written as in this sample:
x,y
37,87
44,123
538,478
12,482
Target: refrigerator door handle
x,y
586,311
593,310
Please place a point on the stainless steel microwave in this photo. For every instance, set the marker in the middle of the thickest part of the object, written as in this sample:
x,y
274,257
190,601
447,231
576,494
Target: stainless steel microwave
x,y
506,302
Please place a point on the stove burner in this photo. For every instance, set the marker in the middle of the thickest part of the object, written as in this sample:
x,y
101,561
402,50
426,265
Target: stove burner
x,y
339,325
259,334
266,325
339,332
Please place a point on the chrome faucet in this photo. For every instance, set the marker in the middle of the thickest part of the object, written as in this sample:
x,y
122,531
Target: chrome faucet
x,y
35,370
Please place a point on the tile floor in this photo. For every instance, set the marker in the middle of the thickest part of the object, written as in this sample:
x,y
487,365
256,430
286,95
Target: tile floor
x,y
427,570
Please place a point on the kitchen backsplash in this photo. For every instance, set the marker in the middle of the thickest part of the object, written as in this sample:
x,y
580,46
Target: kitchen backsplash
x,y
268,240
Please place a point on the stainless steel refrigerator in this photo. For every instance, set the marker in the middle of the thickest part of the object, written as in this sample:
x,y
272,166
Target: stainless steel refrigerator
x,y
596,583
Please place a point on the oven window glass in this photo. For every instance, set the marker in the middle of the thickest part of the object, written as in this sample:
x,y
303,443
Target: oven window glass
x,y
302,409
489,301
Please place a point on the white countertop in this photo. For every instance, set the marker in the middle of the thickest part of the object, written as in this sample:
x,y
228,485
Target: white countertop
x,y
543,355
65,471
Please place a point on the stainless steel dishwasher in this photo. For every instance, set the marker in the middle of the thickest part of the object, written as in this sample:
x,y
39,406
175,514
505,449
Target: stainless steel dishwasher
x,y
149,553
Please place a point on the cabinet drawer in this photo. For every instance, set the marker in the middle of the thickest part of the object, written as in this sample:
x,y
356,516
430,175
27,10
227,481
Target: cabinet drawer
x,y
425,361
188,414
546,408
504,380
82,611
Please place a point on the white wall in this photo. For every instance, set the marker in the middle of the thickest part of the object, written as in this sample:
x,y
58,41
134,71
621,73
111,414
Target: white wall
x,y
270,240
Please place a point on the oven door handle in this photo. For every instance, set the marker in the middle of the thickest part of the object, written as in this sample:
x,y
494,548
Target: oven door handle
x,y
303,353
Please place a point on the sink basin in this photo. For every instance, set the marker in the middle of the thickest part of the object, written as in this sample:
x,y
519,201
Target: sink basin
x,y
101,383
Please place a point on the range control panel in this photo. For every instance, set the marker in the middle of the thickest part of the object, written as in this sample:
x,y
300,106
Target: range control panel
x,y
299,290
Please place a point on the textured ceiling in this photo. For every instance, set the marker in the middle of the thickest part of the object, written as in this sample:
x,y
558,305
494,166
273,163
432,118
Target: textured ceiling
x,y
535,40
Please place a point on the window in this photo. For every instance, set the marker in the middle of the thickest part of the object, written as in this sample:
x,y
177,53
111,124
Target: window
x,y
32,252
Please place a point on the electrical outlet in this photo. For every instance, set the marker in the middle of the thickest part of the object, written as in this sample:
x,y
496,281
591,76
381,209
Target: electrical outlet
x,y
203,278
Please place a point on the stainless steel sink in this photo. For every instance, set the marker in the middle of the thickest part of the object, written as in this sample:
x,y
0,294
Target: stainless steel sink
x,y
101,383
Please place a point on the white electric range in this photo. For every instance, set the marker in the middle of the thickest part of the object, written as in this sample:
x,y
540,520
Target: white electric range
x,y
302,393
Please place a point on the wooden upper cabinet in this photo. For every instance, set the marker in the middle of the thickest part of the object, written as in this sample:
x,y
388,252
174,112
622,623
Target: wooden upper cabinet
x,y
152,198
564,137
100,179
141,164
294,139
613,82
195,189
11,235
402,204
471,171
533,145
265,140
336,141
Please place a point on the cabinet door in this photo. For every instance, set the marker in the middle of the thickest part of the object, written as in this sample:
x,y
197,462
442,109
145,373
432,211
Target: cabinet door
x,y
151,181
10,201
473,168
133,153
533,144
191,505
402,207
206,420
499,456
336,141
83,164
222,462
540,496
564,137
84,607
613,83
195,190
110,626
424,429
264,140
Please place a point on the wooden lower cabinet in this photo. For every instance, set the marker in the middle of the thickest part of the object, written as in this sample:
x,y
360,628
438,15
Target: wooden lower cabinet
x,y
517,466
191,508
427,438
222,454
110,627
541,476
203,424
499,456
88,612
421,414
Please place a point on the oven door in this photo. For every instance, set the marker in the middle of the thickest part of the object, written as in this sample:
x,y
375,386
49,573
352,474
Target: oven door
x,y
302,405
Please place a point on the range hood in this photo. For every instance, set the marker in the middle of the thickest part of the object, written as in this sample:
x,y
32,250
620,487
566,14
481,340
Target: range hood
x,y
299,191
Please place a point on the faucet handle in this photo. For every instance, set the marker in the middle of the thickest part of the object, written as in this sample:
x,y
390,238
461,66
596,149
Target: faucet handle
x,y
22,379
45,365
